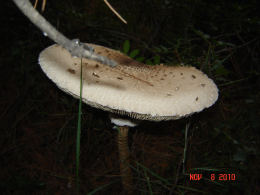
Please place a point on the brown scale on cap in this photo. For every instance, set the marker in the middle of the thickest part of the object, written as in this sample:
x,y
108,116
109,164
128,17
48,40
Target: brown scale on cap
x,y
95,75
71,71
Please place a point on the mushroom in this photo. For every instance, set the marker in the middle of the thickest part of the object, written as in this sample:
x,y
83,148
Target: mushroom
x,y
131,89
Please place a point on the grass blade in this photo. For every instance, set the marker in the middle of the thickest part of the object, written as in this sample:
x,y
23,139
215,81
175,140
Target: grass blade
x,y
79,131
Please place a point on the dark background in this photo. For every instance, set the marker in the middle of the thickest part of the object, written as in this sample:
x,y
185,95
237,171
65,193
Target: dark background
x,y
38,121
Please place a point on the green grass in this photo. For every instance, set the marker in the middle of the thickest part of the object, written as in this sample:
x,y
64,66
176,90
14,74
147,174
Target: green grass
x,y
79,132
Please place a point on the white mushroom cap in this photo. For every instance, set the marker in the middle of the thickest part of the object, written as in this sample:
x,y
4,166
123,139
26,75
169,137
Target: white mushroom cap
x,y
131,88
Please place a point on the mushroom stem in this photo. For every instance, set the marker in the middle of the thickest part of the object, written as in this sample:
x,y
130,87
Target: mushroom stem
x,y
123,149
123,124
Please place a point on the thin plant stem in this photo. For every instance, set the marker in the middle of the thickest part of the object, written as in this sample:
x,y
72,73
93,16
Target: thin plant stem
x,y
115,12
185,147
79,131
148,182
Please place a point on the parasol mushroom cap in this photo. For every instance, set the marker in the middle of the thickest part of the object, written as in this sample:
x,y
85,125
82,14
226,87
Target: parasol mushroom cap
x,y
131,88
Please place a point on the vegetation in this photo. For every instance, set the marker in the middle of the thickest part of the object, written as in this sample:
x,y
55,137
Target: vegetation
x,y
38,122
